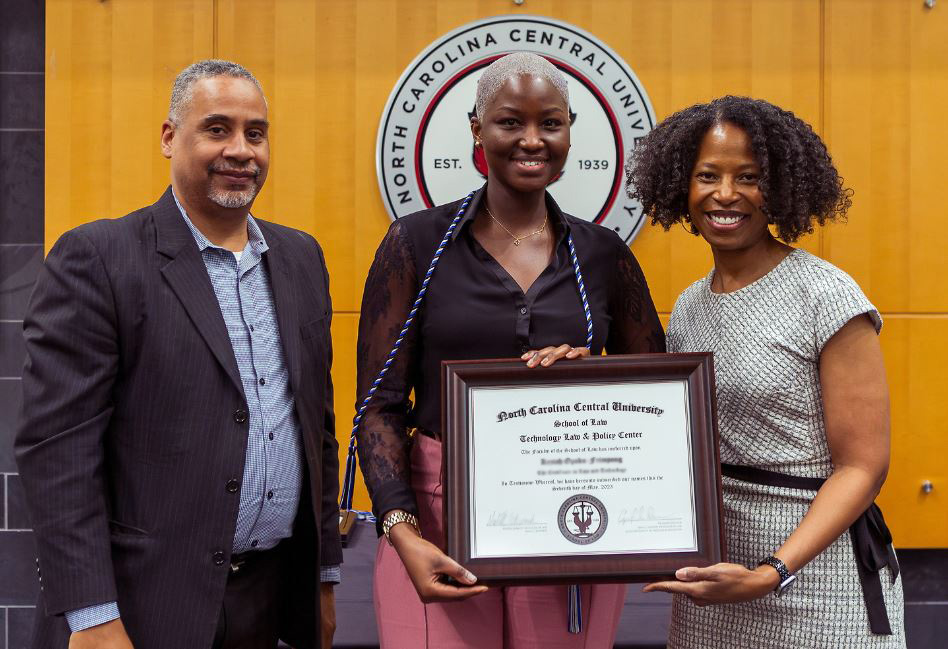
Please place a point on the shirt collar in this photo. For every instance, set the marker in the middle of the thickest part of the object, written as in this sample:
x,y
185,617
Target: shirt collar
x,y
557,219
255,238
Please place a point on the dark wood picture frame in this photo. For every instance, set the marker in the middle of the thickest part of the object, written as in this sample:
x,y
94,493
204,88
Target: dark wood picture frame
x,y
697,369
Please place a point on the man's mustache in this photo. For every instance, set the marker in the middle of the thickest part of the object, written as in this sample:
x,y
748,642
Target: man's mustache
x,y
224,169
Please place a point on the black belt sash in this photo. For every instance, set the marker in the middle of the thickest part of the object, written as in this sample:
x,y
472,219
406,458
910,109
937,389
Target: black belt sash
x,y
872,541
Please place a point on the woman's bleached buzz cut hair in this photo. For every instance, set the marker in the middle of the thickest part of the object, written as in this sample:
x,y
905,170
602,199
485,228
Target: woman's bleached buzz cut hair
x,y
515,65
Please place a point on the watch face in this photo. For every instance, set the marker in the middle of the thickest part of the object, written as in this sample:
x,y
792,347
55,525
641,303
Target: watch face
x,y
785,584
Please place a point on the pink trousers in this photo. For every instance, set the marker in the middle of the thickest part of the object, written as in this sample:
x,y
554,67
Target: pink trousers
x,y
531,617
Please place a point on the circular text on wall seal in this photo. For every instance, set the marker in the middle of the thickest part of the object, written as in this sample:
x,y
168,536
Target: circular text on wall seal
x,y
425,153
583,519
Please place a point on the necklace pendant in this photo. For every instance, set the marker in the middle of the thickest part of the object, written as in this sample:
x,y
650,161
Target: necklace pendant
x,y
516,242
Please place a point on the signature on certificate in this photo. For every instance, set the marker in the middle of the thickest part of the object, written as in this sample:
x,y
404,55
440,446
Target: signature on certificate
x,y
642,513
506,519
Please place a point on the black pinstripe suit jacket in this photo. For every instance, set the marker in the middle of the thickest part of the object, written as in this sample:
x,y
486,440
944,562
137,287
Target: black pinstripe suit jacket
x,y
134,420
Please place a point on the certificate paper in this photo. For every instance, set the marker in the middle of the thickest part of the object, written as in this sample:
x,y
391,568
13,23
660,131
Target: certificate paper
x,y
581,469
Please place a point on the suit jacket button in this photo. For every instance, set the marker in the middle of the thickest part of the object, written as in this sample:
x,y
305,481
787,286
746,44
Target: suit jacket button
x,y
218,558
240,416
232,486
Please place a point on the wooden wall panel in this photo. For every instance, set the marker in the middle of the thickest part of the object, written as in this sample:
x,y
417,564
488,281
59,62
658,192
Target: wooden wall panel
x,y
868,74
915,356
344,58
885,87
928,135
345,329
109,69
866,129
677,52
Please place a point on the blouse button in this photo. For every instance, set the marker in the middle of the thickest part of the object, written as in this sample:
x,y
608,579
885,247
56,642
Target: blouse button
x,y
523,310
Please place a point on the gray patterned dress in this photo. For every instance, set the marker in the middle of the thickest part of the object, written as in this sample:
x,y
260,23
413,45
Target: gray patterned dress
x,y
766,339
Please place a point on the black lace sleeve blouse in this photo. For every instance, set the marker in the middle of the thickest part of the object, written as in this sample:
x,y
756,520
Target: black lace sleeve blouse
x,y
474,309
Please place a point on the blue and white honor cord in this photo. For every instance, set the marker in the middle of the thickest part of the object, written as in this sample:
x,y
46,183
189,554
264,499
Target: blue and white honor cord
x,y
348,483
582,291
575,622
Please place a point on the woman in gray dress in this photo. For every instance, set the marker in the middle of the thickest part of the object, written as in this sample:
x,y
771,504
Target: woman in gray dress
x,y
803,409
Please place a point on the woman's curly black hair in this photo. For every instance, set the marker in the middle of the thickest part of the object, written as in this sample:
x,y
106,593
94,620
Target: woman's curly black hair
x,y
798,181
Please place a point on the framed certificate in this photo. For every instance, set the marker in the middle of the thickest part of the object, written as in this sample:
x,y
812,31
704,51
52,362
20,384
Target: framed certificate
x,y
603,469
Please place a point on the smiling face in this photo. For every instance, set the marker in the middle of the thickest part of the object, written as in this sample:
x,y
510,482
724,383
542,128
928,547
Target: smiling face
x,y
724,197
219,150
525,133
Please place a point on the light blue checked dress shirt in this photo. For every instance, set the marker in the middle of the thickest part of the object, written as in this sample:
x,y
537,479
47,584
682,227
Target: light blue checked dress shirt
x,y
273,471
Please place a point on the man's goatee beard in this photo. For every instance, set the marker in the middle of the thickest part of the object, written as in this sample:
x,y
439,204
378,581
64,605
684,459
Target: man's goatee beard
x,y
232,199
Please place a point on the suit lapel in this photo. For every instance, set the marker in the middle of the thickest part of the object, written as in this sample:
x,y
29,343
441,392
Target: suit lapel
x,y
187,275
284,301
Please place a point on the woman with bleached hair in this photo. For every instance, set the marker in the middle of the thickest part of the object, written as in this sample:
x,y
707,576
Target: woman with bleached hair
x,y
505,286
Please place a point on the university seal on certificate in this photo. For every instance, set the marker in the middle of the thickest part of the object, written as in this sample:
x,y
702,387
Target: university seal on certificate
x,y
600,469
583,519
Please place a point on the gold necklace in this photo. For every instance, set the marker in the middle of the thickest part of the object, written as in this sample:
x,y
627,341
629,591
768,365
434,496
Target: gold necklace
x,y
515,238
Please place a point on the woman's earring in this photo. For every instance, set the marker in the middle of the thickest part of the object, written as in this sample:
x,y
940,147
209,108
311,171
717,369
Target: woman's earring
x,y
477,142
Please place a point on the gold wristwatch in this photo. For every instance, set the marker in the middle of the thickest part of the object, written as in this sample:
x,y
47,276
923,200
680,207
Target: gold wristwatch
x,y
395,517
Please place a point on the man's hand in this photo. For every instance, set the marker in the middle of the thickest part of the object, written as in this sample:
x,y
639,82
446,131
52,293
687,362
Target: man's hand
x,y
327,610
428,568
110,635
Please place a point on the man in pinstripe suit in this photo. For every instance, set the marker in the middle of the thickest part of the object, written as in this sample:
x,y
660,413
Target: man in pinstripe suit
x,y
177,440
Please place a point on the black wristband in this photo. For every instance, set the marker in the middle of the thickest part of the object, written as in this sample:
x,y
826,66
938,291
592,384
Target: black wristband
x,y
786,577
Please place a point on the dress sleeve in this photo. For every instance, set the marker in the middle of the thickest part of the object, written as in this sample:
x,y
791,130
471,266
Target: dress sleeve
x,y
383,442
636,328
838,300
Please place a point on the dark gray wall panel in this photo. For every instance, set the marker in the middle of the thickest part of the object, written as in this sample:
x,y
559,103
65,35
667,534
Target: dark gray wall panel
x,y
12,348
11,395
18,518
925,574
20,627
19,266
20,94
21,186
18,581
926,625
22,35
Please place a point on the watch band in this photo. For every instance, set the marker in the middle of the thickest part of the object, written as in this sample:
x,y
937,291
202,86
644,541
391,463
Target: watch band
x,y
786,577
395,517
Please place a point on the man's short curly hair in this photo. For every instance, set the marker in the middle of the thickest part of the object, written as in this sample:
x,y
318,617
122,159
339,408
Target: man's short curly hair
x,y
798,181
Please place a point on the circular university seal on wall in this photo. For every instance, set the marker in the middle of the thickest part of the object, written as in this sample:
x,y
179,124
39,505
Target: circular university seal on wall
x,y
424,151
583,519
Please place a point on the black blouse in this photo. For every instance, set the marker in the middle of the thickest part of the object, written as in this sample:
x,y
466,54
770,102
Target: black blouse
x,y
474,309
